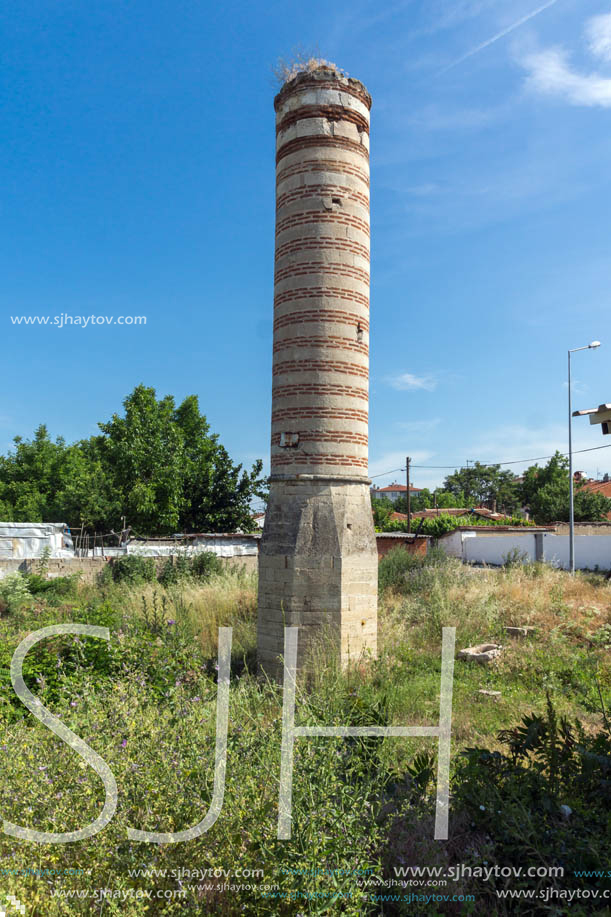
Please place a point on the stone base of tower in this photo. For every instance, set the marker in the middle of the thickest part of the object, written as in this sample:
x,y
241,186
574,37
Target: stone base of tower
x,y
318,570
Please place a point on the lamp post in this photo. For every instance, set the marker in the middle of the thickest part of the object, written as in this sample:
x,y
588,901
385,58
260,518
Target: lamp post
x,y
571,499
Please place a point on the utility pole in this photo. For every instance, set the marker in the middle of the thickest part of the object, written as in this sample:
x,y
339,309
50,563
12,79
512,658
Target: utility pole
x,y
409,502
571,488
591,346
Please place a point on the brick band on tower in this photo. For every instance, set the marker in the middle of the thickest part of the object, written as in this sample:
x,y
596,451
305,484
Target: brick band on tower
x,y
319,509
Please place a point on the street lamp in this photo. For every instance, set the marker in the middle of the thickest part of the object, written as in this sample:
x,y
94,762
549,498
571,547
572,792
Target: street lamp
x,y
591,346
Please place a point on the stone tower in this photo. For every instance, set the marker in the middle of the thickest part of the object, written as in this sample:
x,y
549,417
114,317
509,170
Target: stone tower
x,y
318,560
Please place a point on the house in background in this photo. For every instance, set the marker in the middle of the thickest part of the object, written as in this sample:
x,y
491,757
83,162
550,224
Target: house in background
x,y
599,487
394,492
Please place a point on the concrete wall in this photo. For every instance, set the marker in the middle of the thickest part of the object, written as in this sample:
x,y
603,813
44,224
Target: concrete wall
x,y
452,544
495,548
89,567
584,528
249,562
591,551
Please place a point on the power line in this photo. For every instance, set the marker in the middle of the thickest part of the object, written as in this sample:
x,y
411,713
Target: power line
x,y
538,458
393,470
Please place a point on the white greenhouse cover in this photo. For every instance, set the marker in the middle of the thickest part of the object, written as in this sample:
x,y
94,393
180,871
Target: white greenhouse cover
x,y
25,540
222,546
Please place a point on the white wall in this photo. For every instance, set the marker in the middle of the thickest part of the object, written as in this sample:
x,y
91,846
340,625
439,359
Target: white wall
x,y
591,551
493,549
452,544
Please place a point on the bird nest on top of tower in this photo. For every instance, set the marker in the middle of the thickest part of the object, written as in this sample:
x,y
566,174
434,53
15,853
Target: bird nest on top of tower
x,y
286,71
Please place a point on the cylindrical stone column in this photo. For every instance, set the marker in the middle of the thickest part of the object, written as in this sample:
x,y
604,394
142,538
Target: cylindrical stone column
x,y
318,560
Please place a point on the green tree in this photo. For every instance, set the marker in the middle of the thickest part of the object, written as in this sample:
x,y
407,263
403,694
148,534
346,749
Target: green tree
x,y
446,499
143,454
484,485
441,499
28,476
418,501
545,491
217,493
85,492
157,464
382,508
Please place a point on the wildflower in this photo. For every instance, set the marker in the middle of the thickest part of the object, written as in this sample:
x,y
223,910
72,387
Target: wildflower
x,y
124,743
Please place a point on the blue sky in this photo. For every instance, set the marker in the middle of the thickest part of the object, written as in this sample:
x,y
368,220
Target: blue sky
x,y
137,176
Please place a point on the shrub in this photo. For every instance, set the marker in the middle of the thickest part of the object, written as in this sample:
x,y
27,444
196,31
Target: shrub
x,y
58,587
173,570
549,796
205,565
407,572
515,558
133,570
436,526
196,566
14,591
42,564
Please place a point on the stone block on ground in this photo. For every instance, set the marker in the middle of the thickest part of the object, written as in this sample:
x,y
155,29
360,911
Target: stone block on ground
x,y
484,653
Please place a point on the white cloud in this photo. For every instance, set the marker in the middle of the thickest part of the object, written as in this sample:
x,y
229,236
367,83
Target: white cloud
x,y
577,387
505,443
408,382
598,36
516,442
550,74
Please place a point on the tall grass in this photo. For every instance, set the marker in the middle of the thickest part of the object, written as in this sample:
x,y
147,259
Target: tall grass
x,y
147,705
226,600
